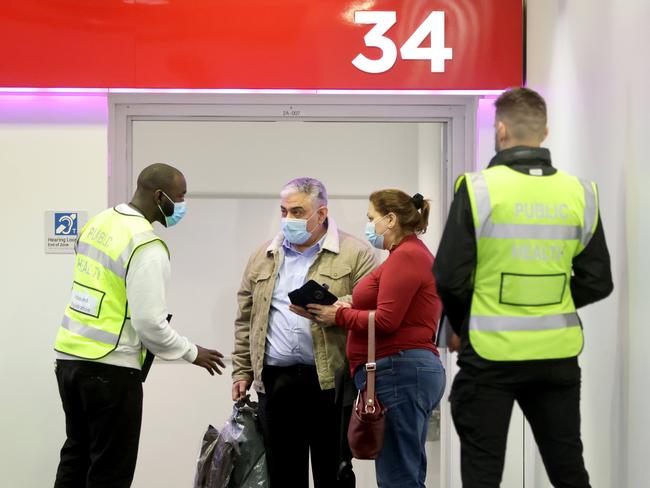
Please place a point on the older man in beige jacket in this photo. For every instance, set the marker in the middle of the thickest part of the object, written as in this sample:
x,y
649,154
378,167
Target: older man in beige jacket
x,y
289,359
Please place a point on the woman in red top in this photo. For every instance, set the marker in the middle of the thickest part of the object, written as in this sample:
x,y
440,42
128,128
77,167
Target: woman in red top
x,y
410,378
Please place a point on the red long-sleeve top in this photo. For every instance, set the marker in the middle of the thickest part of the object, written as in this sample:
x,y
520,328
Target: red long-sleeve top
x,y
403,292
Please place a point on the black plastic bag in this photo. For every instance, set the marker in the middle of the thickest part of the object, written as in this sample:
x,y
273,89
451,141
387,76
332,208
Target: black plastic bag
x,y
234,457
215,462
250,470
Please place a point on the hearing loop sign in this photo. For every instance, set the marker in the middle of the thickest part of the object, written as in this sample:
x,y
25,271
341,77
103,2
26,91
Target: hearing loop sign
x,y
62,230
65,224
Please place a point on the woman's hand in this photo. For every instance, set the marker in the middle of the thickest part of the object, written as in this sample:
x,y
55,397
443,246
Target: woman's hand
x,y
326,314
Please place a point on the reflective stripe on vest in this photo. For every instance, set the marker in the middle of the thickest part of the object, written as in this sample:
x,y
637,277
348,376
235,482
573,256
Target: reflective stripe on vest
x,y
116,266
98,308
526,237
591,211
487,228
89,332
509,324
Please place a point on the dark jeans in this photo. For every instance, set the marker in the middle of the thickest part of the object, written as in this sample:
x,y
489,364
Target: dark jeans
x,y
298,418
409,384
103,412
549,396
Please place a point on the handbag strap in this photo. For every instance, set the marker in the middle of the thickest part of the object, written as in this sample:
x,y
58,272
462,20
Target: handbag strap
x,y
371,366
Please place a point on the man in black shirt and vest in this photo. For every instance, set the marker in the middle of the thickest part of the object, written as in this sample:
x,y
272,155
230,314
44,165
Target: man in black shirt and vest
x,y
522,249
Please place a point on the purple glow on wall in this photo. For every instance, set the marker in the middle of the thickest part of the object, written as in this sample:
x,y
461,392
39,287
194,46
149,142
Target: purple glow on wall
x,y
37,108
53,90
53,108
484,131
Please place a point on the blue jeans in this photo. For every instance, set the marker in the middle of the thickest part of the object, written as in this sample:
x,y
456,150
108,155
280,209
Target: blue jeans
x,y
409,384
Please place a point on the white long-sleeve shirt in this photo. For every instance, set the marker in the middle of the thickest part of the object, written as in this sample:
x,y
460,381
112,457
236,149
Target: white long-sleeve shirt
x,y
146,292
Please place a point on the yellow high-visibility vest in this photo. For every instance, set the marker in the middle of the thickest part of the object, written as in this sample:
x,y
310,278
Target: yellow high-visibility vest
x,y
98,309
528,230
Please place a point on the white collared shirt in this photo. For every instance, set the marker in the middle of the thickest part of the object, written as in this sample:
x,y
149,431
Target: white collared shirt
x,y
288,337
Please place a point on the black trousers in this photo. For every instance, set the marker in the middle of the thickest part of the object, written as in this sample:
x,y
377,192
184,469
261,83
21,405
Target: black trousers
x,y
103,413
299,419
549,396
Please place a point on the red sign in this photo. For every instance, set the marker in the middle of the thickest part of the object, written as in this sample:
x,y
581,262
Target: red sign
x,y
273,44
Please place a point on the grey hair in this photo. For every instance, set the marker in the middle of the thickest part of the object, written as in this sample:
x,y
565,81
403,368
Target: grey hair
x,y
309,186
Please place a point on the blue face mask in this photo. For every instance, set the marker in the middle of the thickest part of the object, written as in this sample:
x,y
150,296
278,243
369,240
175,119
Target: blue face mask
x,y
377,240
295,230
179,212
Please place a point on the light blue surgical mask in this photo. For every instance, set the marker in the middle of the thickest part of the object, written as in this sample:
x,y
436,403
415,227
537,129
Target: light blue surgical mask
x,y
179,212
377,240
295,230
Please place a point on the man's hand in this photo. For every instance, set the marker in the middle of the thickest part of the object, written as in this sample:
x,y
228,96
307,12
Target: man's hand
x,y
209,359
453,342
239,389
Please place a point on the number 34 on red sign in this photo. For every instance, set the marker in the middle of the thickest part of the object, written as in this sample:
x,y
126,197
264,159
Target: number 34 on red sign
x,y
433,25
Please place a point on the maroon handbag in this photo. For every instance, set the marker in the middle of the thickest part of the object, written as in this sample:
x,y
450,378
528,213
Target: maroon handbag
x,y
366,429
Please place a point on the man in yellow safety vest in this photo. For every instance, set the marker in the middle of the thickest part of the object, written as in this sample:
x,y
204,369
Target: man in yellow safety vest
x,y
117,313
522,249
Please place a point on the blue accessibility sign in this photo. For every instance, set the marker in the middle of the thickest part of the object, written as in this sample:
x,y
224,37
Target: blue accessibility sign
x,y
65,224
